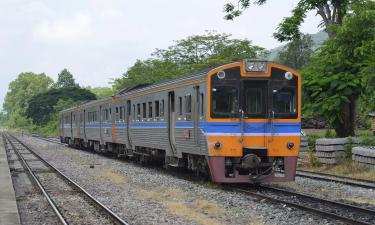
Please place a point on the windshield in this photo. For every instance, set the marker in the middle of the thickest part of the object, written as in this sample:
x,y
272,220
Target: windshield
x,y
224,101
284,101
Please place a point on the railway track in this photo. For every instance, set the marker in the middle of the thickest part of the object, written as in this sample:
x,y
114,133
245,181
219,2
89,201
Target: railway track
x,y
348,214
337,179
67,199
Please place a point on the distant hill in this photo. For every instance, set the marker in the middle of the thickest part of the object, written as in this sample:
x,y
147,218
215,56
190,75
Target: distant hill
x,y
317,38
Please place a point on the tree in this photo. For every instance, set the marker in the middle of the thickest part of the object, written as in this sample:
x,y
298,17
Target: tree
x,y
23,88
65,80
332,13
41,106
188,55
342,70
296,53
101,92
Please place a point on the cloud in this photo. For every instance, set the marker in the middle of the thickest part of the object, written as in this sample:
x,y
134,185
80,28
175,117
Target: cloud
x,y
68,29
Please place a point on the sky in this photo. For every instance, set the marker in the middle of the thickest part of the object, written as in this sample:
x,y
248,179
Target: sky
x,y
97,40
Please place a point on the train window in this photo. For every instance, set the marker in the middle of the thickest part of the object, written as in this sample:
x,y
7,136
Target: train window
x,y
134,111
138,111
284,102
144,114
188,103
150,110
254,101
224,102
162,108
121,113
117,114
188,107
202,104
180,106
157,110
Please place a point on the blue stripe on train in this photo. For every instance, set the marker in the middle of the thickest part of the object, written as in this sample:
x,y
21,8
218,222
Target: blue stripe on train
x,y
217,127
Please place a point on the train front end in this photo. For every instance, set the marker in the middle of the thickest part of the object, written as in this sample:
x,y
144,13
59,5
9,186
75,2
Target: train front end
x,y
254,122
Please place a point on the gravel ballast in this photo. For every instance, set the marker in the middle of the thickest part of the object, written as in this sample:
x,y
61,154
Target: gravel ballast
x,y
142,195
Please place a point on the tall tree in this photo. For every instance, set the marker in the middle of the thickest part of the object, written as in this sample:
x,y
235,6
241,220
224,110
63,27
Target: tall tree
x,y
332,13
41,106
343,69
23,88
296,53
65,80
188,55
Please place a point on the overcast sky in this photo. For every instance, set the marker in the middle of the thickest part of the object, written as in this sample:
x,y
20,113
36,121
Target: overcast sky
x,y
99,39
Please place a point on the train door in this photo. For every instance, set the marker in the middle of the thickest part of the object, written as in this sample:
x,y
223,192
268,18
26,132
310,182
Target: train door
x,y
78,124
254,103
71,124
195,115
172,122
101,124
128,115
84,124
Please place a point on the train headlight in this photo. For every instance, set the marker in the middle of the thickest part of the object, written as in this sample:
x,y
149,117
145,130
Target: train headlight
x,y
217,145
221,74
255,66
290,145
288,75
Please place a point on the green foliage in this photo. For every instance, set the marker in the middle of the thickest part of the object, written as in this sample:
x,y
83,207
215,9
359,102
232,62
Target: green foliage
x,y
339,73
186,56
330,133
51,128
296,53
332,13
102,92
65,80
22,89
42,106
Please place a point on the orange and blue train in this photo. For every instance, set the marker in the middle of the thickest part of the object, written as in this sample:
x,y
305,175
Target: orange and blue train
x,y
237,123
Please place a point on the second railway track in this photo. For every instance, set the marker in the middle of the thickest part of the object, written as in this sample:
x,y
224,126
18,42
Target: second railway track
x,y
348,214
70,202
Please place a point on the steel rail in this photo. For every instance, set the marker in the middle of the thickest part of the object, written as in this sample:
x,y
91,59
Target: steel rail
x,y
337,179
36,180
116,219
316,211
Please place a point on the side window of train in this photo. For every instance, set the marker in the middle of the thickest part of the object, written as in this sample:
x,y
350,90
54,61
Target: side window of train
x,y
180,105
157,110
134,116
162,108
117,114
138,112
144,115
150,110
121,113
188,106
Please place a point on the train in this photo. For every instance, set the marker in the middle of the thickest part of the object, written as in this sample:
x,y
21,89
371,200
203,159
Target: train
x,y
236,123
